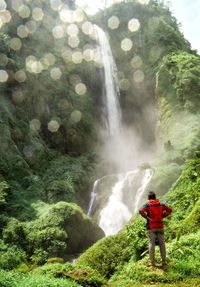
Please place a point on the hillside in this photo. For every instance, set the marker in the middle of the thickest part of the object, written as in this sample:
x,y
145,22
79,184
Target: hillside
x,y
51,104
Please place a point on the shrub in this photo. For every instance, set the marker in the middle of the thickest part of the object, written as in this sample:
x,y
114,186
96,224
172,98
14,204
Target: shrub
x,y
15,233
137,236
10,256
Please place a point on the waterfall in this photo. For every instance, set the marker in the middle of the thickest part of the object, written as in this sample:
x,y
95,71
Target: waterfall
x,y
114,201
93,198
111,84
116,213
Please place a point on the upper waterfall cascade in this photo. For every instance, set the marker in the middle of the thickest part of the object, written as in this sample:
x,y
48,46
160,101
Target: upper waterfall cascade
x,y
111,84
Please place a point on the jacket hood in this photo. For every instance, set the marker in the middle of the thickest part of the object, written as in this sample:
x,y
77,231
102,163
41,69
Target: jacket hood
x,y
153,201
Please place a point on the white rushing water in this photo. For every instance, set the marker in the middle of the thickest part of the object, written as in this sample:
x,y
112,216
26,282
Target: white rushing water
x,y
127,189
111,83
116,213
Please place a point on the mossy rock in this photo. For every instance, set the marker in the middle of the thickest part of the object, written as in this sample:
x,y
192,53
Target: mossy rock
x,y
106,255
83,276
62,230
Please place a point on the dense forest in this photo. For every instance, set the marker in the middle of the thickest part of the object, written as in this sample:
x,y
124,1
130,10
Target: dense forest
x,y
51,86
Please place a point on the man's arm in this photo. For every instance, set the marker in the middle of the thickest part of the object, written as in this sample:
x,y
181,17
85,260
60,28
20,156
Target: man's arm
x,y
144,211
166,210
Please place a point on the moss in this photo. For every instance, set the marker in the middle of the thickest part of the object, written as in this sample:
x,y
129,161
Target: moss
x,y
107,255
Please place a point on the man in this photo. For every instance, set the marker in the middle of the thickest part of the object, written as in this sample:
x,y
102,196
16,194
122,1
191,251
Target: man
x,y
154,212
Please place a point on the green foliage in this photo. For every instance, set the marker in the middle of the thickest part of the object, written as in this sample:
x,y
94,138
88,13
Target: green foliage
x,y
83,276
59,190
67,178
180,72
55,260
3,192
52,269
183,263
13,279
10,256
184,199
60,230
137,238
107,255
14,233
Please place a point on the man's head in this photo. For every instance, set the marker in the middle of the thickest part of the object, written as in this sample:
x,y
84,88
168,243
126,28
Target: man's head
x,y
151,195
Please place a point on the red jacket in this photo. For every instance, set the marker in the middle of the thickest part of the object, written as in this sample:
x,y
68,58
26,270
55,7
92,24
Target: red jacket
x,y
154,212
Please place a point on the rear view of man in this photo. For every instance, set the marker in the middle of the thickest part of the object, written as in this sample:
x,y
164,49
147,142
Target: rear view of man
x,y
154,212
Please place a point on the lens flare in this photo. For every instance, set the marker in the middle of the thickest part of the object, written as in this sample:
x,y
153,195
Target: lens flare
x,y
66,15
72,30
73,42
35,124
37,14
133,25
56,74
87,28
75,116
18,96
20,76
31,26
77,57
138,76
80,89
5,16
56,5
24,11
22,31
136,62
15,44
3,60
58,32
3,76
113,22
53,126
124,84
126,44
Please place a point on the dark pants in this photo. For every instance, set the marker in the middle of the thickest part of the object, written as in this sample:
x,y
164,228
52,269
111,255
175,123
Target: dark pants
x,y
156,234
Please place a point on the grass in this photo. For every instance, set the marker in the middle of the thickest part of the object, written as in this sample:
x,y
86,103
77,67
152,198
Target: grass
x,y
13,279
194,282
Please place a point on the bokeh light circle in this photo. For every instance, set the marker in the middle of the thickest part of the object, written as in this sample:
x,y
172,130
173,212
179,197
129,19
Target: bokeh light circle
x,y
20,76
126,44
136,62
22,31
138,76
58,32
133,25
3,60
15,44
80,89
3,76
55,74
113,22
53,126
35,124
76,116
37,14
